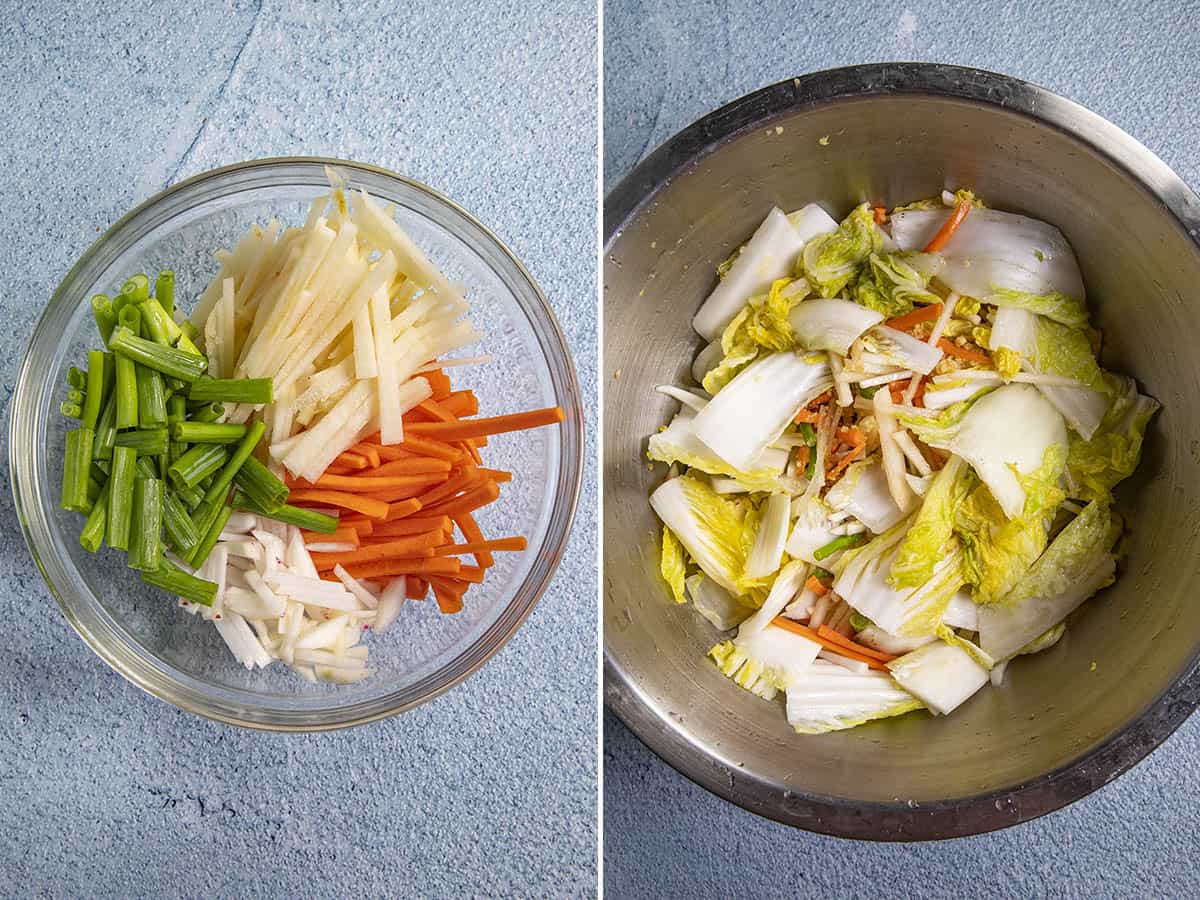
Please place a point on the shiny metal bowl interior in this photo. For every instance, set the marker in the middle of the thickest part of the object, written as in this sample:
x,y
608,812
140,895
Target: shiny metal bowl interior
x,y
139,631
889,134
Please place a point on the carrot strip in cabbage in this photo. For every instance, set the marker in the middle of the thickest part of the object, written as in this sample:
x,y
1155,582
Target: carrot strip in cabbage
x,y
829,634
965,353
797,628
916,317
942,238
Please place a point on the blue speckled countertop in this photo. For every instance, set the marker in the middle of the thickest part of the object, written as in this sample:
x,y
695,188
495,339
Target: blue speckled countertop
x,y
669,62
487,791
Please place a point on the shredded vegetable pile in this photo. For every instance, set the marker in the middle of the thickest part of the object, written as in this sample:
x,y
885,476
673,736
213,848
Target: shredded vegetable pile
x,y
896,472
292,460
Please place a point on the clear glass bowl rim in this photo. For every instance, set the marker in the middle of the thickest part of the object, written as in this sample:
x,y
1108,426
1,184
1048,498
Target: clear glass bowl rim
x,y
84,611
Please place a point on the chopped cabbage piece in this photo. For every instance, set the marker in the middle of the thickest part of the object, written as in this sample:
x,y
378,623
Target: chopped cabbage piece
x,y
766,661
831,698
892,284
673,565
831,260
715,603
1097,465
831,324
941,675
931,535
863,492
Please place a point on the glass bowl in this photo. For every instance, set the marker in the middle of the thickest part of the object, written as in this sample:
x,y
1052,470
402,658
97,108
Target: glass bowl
x,y
140,631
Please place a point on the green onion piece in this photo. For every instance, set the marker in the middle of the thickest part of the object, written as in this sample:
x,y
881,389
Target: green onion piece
x,y
822,574
209,540
130,317
106,428
195,465
261,486
164,291
97,375
173,579
126,392
106,316
290,515
191,497
209,412
180,532
176,408
76,379
807,433
145,544
190,331
219,489
93,489
232,390
207,432
869,392
76,397
99,471
858,621
160,327
92,534
185,346
145,468
167,360
120,498
175,386
137,287
840,543
71,409
146,441
152,398
77,457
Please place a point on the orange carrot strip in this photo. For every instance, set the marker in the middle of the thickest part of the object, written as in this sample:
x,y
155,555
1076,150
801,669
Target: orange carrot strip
x,y
797,628
374,509
391,495
473,574
469,502
470,530
414,443
409,547
461,403
360,524
381,482
345,534
829,634
433,565
448,602
469,428
916,317
351,460
415,588
467,477
471,448
497,475
404,508
415,525
439,383
814,585
880,215
508,543
434,410
952,349
393,452
811,416
368,451
841,465
942,238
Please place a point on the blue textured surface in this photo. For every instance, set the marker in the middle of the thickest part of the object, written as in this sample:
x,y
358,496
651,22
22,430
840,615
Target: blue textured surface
x,y
487,791
666,64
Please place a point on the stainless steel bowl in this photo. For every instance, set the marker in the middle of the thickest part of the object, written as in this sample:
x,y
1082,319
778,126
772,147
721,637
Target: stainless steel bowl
x,y
891,133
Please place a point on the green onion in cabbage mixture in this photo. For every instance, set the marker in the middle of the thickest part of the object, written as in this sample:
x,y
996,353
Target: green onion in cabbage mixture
x,y
896,473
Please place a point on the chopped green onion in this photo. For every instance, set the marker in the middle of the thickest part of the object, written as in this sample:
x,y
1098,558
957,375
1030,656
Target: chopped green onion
x,y
97,377
168,360
858,621
145,468
219,489
807,433
106,316
137,287
207,432
71,409
191,497
145,548
869,392
840,543
261,486
120,498
76,397
126,392
146,441
76,378
159,326
195,465
822,574
152,398
164,291
92,535
180,531
209,540
77,457
232,390
170,577
93,489
106,428
176,409
209,412
290,515
811,469
186,347
190,331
